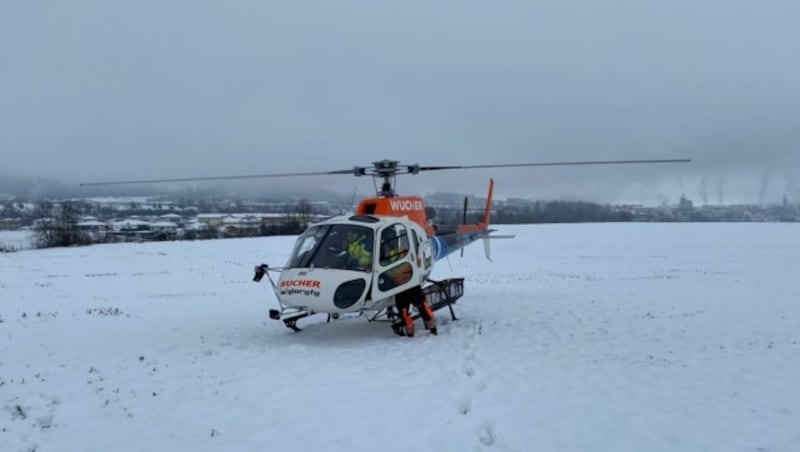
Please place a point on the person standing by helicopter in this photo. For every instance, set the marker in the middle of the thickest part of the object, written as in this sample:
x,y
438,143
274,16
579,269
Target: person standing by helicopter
x,y
403,302
393,249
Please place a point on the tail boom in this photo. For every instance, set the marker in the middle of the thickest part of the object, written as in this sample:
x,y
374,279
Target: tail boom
x,y
464,234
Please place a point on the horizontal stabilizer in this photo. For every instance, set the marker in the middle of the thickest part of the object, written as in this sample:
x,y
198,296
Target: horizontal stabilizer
x,y
487,249
503,236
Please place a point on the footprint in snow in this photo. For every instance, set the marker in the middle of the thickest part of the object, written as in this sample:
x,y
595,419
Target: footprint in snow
x,y
486,435
464,406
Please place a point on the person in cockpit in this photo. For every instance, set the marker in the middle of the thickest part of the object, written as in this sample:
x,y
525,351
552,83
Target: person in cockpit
x,y
359,251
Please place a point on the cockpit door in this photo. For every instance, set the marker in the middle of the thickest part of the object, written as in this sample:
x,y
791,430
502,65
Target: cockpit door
x,y
395,267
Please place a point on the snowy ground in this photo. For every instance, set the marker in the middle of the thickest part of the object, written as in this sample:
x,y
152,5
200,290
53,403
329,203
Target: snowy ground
x,y
612,337
16,240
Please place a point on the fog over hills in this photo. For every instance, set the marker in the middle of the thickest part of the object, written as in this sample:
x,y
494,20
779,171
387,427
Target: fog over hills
x,y
97,91
770,188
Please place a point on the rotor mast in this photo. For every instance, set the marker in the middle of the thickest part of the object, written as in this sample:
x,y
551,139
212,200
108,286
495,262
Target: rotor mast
x,y
388,171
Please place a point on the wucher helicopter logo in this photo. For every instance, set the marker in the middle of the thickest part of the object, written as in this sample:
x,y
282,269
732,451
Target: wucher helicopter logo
x,y
307,287
406,204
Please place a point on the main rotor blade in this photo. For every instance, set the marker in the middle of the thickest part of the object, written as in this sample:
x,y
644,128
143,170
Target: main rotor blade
x,y
516,165
195,179
362,171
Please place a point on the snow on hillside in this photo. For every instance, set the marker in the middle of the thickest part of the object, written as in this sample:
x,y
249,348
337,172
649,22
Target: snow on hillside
x,y
612,337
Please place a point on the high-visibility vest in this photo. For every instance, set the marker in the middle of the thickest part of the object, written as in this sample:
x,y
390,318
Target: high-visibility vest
x,y
392,254
359,252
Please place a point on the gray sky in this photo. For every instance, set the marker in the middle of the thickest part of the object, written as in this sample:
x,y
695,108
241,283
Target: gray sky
x,y
99,90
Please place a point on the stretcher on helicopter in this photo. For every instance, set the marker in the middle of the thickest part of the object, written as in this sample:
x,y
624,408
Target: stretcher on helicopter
x,y
358,264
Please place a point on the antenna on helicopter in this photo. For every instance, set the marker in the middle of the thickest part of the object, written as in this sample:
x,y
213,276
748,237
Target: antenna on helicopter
x,y
464,217
353,199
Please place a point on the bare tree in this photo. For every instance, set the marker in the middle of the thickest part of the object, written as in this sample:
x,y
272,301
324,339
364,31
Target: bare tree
x,y
57,225
303,212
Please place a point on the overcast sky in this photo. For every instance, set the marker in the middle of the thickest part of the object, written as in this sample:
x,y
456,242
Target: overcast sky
x,y
104,90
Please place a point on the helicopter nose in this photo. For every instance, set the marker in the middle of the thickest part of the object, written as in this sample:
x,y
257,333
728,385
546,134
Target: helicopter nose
x,y
348,293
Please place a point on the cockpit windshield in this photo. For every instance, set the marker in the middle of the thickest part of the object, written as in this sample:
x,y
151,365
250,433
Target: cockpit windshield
x,y
339,246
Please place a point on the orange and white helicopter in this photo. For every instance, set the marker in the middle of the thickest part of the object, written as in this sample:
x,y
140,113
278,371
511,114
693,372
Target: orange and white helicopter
x,y
321,277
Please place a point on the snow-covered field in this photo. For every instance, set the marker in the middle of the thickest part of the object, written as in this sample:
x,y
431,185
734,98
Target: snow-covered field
x,y
601,337
16,240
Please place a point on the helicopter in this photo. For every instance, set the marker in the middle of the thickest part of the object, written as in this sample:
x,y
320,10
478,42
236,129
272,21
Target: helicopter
x,y
401,242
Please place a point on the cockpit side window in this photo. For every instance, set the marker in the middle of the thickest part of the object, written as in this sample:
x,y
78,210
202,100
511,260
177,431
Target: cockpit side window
x,y
339,246
394,244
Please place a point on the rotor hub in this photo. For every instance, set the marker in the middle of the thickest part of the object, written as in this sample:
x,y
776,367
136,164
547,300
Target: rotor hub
x,y
387,170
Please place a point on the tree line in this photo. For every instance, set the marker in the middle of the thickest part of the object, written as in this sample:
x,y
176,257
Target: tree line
x,y
57,225
540,212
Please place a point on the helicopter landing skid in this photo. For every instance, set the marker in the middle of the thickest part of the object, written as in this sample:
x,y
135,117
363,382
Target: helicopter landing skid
x,y
291,320
439,294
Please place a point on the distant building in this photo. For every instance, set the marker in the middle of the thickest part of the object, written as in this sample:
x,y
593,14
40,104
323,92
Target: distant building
x,y
213,220
272,219
685,203
172,217
245,225
164,230
97,230
10,223
132,229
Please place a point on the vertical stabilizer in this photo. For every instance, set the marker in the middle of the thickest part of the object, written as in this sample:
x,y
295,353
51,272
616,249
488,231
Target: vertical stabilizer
x,y
487,213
